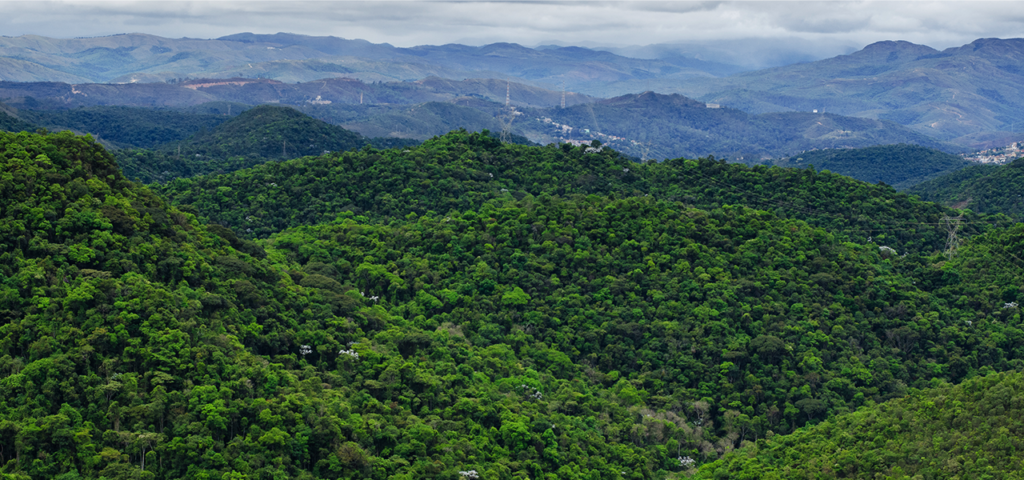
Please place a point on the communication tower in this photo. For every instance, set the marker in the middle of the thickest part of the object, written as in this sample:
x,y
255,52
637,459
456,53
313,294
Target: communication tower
x,y
507,115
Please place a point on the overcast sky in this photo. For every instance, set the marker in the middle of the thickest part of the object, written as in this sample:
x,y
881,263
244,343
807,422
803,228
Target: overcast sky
x,y
939,24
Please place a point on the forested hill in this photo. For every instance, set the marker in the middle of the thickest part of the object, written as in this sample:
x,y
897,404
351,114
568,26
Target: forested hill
x,y
255,136
580,336
460,170
269,131
901,165
10,123
126,127
972,430
981,188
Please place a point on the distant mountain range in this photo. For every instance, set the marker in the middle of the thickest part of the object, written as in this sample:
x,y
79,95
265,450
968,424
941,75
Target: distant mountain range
x,y
960,94
140,58
970,96
676,126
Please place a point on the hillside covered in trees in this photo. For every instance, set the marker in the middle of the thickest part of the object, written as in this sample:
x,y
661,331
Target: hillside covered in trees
x,y
901,165
11,123
126,127
258,135
981,188
971,430
461,170
467,305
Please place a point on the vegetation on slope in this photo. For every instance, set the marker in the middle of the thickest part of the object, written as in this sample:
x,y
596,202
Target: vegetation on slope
x,y
901,166
126,127
269,131
579,336
10,123
981,188
460,170
971,430
256,136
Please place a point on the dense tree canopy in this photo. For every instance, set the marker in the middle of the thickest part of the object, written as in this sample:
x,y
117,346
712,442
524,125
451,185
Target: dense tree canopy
x,y
981,188
461,170
901,165
972,430
597,325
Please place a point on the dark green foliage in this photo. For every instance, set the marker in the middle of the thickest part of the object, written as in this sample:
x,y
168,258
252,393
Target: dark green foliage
x,y
10,123
268,132
563,333
460,170
971,430
981,188
901,166
127,127
256,136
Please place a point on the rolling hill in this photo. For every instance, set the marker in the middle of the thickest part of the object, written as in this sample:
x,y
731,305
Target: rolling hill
x,y
966,95
134,58
971,430
453,327
677,126
9,122
956,94
981,188
255,136
901,166
126,127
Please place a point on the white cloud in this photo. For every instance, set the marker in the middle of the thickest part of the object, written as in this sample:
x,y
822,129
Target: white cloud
x,y
939,24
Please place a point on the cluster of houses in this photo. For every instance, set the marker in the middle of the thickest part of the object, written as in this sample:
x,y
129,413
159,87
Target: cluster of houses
x,y
566,133
997,156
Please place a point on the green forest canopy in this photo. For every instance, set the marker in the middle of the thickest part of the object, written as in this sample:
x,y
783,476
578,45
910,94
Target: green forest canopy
x,y
901,165
981,188
562,333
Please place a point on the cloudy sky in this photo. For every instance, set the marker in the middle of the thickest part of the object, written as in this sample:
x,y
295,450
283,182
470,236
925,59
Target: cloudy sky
x,y
829,24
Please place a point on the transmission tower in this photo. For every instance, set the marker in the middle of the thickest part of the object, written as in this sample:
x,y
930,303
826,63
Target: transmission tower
x,y
952,225
507,115
563,94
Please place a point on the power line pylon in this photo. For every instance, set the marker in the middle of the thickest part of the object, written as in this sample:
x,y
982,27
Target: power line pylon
x,y
952,225
507,115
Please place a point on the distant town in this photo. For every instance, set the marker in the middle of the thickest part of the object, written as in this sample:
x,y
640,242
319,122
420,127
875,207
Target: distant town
x,y
996,156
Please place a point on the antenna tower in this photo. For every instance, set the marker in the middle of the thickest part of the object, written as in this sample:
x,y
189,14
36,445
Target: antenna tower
x,y
508,114
563,94
952,226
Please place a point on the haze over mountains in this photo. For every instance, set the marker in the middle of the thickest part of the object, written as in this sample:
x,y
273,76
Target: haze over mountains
x,y
968,96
